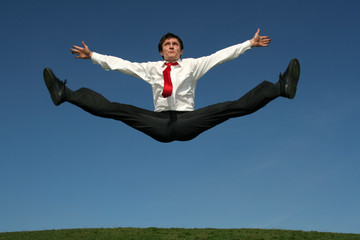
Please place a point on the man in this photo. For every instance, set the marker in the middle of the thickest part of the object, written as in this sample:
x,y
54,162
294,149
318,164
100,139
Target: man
x,y
173,83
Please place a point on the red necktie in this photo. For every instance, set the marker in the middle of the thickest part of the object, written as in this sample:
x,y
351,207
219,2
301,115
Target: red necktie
x,y
167,80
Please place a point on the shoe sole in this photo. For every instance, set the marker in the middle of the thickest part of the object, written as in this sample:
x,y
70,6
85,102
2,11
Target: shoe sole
x,y
295,74
49,78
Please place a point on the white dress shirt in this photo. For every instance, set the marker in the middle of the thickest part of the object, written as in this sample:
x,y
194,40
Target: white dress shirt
x,y
183,76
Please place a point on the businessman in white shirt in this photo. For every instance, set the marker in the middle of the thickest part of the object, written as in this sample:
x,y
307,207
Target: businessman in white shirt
x,y
173,83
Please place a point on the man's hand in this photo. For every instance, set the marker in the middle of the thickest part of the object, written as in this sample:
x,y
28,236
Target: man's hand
x,y
260,41
82,52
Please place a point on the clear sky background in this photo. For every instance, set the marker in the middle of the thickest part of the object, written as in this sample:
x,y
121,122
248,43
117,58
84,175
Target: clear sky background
x,y
292,165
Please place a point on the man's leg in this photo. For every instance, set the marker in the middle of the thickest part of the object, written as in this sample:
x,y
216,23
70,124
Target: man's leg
x,y
151,123
191,124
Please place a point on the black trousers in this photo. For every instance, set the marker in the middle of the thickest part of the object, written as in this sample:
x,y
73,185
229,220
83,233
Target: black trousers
x,y
169,126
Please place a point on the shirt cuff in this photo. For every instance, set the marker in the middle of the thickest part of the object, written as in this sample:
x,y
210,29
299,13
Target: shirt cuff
x,y
95,57
247,45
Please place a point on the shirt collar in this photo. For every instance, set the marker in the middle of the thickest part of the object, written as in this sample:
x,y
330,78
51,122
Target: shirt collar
x,y
179,61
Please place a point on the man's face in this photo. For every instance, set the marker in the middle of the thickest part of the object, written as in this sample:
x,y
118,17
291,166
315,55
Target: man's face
x,y
171,50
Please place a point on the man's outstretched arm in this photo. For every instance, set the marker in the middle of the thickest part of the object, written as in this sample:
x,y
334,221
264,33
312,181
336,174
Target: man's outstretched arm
x,y
82,52
260,41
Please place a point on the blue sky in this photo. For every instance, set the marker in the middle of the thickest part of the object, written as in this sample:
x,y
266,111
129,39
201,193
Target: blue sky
x,y
292,165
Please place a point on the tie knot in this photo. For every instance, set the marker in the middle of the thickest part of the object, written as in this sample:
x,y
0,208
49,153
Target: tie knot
x,y
171,64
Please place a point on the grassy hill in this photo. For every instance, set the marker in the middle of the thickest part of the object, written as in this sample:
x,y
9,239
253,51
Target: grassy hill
x,y
174,234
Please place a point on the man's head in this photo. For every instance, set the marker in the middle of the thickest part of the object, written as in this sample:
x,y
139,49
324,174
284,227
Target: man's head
x,y
171,47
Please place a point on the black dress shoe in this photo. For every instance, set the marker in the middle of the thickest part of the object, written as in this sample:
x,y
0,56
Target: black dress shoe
x,y
55,86
289,80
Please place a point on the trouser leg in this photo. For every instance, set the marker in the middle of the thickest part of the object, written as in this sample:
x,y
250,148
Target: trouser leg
x,y
191,124
149,122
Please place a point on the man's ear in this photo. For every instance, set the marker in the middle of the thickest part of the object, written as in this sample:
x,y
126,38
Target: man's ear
x,y
161,53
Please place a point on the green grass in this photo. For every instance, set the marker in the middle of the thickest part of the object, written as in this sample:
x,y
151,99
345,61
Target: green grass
x,y
174,234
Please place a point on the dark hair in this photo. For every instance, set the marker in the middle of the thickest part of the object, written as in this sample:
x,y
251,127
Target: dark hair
x,y
167,36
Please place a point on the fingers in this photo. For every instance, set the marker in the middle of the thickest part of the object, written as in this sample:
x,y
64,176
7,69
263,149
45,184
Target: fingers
x,y
78,50
75,51
265,44
265,39
84,45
